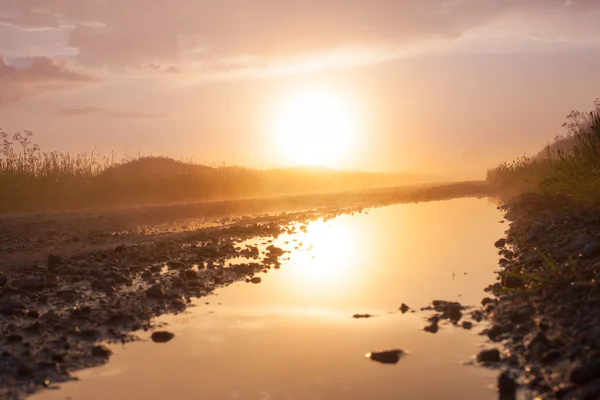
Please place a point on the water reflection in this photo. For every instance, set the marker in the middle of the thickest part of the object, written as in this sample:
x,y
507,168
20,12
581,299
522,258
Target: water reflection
x,y
293,336
326,261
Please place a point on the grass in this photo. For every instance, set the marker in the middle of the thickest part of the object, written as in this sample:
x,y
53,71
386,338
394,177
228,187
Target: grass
x,y
569,168
34,180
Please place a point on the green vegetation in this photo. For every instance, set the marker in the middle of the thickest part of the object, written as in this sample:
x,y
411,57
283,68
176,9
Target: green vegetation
x,y
33,180
569,167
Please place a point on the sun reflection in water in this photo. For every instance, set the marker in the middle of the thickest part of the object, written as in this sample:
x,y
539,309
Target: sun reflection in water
x,y
328,261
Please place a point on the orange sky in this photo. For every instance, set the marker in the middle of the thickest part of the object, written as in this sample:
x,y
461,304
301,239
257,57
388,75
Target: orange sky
x,y
440,86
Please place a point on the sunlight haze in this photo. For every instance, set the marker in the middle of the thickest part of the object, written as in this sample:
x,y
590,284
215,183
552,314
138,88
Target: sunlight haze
x,y
405,86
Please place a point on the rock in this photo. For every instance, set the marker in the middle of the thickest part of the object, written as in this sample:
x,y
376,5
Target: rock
x,y
404,308
582,372
175,265
467,325
189,274
162,336
500,243
101,351
12,306
29,284
362,316
3,279
155,291
387,357
507,386
432,328
486,300
53,261
489,356
120,248
256,279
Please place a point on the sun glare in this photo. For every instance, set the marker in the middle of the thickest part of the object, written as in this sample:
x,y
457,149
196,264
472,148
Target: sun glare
x,y
316,128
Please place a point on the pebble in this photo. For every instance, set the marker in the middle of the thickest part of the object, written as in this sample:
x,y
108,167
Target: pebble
x,y
387,357
489,356
101,351
162,336
155,291
507,386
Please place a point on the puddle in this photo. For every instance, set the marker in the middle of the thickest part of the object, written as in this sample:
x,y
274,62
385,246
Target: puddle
x,y
293,335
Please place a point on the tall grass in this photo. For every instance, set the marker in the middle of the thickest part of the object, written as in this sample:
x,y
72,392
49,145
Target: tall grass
x,y
572,170
33,180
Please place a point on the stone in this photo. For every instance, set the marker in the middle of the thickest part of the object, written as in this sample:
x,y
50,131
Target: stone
x,y
101,351
162,336
155,291
489,356
507,386
404,308
500,243
387,357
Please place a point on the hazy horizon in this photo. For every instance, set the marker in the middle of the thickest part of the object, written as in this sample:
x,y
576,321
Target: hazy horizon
x,y
435,87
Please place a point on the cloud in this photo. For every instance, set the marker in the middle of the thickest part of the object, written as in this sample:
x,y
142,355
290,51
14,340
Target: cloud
x,y
38,75
139,33
107,113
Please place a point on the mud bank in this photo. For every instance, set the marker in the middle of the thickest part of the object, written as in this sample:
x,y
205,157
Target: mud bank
x,y
548,312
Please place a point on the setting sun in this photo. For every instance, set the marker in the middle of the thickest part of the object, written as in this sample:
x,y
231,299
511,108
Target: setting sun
x,y
316,128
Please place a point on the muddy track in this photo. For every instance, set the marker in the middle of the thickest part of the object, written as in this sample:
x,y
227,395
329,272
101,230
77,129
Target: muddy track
x,y
63,293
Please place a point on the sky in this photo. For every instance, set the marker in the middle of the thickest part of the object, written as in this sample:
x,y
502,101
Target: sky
x,y
447,87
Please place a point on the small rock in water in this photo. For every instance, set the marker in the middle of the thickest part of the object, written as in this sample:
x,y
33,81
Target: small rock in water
x,y
467,325
362,316
494,332
386,357
404,308
162,336
120,248
433,328
256,279
500,243
489,356
507,386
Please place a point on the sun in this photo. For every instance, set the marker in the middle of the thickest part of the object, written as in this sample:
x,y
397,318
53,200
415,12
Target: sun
x,y
316,128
